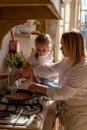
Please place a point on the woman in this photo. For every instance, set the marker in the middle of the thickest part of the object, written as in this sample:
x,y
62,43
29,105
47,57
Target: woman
x,y
72,71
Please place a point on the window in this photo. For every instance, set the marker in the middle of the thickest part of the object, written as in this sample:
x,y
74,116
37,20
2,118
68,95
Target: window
x,y
82,21
64,24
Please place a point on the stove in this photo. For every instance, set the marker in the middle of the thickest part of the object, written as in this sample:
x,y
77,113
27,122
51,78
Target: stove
x,y
30,113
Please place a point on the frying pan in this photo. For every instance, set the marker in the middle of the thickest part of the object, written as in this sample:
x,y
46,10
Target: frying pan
x,y
21,91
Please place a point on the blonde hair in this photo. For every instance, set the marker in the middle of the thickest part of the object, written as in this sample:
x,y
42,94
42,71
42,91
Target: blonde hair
x,y
74,45
44,38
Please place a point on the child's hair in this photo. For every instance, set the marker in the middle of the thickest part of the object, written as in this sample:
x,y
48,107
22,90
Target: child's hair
x,y
43,38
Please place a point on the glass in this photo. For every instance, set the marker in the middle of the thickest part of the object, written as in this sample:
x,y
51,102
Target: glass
x,y
84,4
84,17
13,88
12,84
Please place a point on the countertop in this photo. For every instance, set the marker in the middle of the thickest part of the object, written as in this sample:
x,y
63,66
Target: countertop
x,y
48,123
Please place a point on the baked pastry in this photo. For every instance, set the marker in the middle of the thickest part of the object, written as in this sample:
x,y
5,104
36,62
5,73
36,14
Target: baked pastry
x,y
17,96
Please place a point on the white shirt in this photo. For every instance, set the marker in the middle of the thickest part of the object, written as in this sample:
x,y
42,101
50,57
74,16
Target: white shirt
x,y
42,60
72,79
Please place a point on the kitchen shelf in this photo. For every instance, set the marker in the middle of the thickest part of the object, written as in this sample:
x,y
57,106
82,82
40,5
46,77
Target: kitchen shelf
x,y
22,35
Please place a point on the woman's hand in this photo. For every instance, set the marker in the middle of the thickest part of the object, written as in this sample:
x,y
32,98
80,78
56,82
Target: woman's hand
x,y
37,87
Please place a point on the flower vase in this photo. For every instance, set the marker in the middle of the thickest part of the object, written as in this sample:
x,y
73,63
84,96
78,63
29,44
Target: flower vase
x,y
14,69
10,70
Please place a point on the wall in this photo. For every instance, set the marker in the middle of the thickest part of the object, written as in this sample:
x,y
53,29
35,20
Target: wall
x,y
74,13
52,29
26,44
3,52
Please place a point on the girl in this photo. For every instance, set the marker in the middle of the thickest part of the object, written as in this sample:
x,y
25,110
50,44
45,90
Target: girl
x,y
43,56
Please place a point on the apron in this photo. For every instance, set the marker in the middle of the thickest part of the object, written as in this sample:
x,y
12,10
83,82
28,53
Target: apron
x,y
75,115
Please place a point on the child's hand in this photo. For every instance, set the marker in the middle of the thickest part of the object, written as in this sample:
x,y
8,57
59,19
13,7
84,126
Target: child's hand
x,y
30,70
17,74
23,73
20,73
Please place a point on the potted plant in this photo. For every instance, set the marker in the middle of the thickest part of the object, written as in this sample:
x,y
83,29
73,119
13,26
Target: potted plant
x,y
15,60
37,23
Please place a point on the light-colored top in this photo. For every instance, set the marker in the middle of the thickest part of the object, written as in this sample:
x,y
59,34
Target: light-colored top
x,y
73,80
42,60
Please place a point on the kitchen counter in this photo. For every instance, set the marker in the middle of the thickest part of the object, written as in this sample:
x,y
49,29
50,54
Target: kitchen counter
x,y
48,123
47,117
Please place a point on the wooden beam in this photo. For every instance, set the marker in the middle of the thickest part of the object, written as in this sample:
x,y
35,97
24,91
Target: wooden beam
x,y
25,12
23,2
